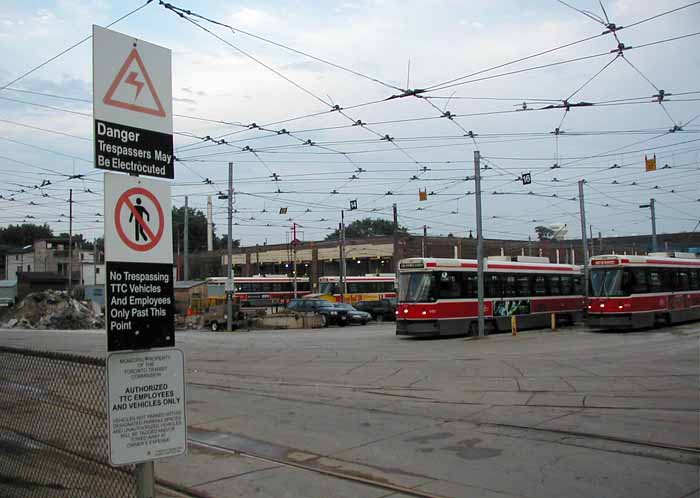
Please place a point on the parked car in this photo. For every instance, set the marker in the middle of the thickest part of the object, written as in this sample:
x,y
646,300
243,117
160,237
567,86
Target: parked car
x,y
382,309
354,315
330,314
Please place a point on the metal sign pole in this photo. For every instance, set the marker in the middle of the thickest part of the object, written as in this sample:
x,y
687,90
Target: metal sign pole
x,y
145,480
479,243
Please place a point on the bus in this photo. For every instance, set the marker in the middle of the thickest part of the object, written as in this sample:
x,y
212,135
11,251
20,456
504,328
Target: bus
x,y
632,292
259,290
370,287
439,296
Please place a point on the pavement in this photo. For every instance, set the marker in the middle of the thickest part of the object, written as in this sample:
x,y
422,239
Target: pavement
x,y
360,412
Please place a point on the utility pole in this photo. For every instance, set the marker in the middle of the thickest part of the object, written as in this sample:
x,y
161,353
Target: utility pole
x,y
210,226
479,243
591,241
395,257
70,241
652,207
582,209
294,256
424,245
187,242
229,247
95,252
343,266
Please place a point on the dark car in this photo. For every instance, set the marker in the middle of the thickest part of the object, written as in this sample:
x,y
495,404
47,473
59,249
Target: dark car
x,y
326,309
382,309
354,315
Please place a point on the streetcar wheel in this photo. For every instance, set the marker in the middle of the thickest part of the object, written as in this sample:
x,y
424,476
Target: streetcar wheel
x,y
214,326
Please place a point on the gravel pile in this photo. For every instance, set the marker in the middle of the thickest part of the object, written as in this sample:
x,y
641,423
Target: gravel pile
x,y
52,309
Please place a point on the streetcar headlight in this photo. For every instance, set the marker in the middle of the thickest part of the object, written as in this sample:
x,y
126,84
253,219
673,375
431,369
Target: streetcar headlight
x,y
424,312
602,305
405,310
620,306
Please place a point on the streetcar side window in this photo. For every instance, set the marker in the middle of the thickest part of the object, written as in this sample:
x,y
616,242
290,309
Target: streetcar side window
x,y
638,282
539,285
469,285
682,281
509,288
694,280
667,280
522,283
449,285
566,285
492,285
578,286
655,284
554,285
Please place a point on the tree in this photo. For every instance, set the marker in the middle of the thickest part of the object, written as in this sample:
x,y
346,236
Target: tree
x,y
367,227
197,228
544,233
78,240
24,235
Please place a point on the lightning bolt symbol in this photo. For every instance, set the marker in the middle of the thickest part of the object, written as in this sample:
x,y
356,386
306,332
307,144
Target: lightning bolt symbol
x,y
131,80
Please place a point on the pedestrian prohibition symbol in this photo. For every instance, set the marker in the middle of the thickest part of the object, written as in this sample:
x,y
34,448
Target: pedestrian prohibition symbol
x,y
138,226
132,199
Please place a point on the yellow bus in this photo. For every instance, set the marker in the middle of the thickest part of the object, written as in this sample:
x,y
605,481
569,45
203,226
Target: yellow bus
x,y
371,287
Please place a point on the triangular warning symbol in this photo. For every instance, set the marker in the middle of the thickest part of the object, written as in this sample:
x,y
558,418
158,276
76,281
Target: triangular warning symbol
x,y
129,85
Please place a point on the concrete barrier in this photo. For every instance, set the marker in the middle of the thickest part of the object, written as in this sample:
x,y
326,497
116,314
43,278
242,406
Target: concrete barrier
x,y
291,321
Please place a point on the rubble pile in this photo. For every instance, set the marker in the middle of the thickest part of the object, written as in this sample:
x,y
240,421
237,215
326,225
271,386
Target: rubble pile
x,y
52,309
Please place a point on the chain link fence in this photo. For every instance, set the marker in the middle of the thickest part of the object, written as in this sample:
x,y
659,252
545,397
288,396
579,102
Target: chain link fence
x,y
53,428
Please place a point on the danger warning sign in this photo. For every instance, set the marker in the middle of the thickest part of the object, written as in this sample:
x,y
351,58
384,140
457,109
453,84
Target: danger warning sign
x,y
137,220
132,105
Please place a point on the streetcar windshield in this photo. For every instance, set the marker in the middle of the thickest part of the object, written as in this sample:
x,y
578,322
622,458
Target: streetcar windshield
x,y
417,287
328,288
606,282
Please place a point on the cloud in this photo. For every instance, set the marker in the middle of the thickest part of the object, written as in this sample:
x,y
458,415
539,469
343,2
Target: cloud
x,y
184,100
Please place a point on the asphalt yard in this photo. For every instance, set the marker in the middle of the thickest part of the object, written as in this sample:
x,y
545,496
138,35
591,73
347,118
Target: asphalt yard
x,y
360,412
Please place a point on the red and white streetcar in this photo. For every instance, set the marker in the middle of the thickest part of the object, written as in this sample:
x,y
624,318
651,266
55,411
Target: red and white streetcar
x,y
439,296
643,291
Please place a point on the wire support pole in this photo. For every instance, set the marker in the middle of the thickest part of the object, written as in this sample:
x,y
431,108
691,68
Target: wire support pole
x,y
343,266
479,243
654,241
584,239
186,244
70,241
294,256
229,249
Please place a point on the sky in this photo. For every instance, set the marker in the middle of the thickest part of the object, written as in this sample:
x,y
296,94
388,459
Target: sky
x,y
284,66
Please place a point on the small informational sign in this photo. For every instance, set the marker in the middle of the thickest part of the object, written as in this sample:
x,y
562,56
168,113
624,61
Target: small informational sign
x,y
228,285
146,404
132,105
140,306
138,219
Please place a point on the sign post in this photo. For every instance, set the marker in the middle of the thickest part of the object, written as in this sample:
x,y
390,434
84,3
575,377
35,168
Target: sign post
x,y
133,126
